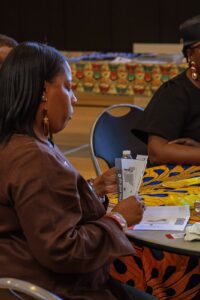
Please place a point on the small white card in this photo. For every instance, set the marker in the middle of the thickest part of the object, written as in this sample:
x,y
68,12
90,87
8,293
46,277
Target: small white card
x,y
164,218
129,175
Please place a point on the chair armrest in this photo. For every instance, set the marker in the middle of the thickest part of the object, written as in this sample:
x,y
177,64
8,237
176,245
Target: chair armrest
x,y
27,288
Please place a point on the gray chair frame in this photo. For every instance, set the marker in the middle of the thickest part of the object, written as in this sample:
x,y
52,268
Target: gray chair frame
x,y
18,288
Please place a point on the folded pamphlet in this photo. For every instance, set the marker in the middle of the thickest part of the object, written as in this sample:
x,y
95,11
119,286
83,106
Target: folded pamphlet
x,y
129,175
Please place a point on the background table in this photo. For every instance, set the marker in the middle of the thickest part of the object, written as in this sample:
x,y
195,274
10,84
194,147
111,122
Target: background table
x,y
134,77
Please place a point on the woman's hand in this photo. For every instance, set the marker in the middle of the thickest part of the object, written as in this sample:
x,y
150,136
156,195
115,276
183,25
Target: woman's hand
x,y
106,183
131,209
186,142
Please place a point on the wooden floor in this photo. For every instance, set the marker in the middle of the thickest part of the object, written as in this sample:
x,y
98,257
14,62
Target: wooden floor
x,y
74,139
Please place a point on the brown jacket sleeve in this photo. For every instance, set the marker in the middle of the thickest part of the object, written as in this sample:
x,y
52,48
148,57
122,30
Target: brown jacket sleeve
x,y
61,218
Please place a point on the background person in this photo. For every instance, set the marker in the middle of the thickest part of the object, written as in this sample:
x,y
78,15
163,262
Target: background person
x,y
6,45
174,110
171,126
54,231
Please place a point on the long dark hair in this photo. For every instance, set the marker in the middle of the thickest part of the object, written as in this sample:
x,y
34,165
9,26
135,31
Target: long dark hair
x,y
22,78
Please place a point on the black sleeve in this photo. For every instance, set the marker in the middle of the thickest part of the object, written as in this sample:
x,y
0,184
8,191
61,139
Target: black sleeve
x,y
165,114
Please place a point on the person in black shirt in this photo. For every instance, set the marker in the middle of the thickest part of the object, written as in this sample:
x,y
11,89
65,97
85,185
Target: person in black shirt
x,y
170,124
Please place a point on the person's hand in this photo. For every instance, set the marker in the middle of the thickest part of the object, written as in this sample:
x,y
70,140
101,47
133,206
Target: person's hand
x,y
186,142
131,209
106,183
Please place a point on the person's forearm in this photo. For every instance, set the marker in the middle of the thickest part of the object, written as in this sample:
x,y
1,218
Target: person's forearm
x,y
161,152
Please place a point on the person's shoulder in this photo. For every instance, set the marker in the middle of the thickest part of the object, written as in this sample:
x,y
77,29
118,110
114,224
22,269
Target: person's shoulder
x,y
22,147
19,152
178,84
176,81
169,93
173,87
25,143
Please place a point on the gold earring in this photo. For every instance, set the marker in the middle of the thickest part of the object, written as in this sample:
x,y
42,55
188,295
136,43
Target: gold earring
x,y
45,118
45,122
193,70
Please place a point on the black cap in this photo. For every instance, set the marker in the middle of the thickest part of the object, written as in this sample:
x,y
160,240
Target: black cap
x,y
190,31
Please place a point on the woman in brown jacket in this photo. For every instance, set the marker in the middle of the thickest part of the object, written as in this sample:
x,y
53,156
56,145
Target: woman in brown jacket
x,y
54,231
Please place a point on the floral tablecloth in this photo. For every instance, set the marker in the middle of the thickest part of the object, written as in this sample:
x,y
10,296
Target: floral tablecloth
x,y
170,185
120,78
